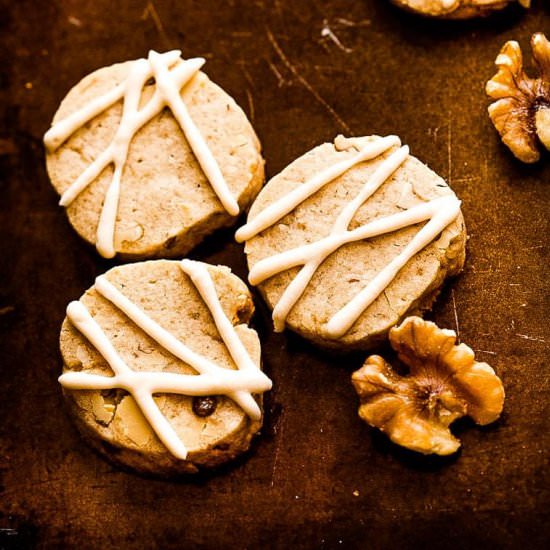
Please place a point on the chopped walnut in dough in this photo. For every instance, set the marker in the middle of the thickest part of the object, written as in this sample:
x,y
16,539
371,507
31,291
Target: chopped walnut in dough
x,y
456,9
521,112
444,383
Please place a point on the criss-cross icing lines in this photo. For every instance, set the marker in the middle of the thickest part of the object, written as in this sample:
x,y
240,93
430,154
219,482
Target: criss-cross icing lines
x,y
211,380
438,213
171,73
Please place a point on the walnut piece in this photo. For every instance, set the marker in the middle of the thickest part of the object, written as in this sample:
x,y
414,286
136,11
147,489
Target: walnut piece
x,y
444,383
521,113
456,9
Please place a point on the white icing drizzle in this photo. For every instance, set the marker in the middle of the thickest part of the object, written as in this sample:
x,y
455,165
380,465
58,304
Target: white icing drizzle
x,y
439,213
171,95
296,288
211,380
274,212
170,76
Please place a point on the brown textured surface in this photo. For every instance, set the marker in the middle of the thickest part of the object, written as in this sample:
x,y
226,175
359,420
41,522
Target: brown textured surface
x,y
318,477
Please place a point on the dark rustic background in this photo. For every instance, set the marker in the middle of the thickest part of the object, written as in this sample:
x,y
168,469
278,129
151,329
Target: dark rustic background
x,y
317,477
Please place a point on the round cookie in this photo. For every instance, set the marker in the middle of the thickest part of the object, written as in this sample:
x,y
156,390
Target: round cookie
x,y
456,9
150,156
350,238
161,371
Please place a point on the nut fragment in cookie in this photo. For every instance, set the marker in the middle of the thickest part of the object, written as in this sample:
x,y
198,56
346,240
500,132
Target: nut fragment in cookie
x,y
521,112
456,9
161,371
150,156
444,383
351,238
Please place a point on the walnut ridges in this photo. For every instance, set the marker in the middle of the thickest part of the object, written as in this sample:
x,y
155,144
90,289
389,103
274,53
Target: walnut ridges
x,y
444,383
456,9
521,112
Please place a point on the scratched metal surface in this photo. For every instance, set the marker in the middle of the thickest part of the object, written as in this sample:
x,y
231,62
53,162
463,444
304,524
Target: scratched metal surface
x,y
317,477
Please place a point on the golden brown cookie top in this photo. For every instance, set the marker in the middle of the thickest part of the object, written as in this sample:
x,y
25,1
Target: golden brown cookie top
x,y
456,9
150,155
350,237
160,334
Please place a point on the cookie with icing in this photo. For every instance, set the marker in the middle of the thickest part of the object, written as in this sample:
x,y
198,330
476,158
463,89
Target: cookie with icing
x,y
150,156
456,9
161,371
350,238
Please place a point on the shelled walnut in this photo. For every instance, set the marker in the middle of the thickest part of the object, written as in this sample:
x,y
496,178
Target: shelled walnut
x,y
456,9
444,383
521,113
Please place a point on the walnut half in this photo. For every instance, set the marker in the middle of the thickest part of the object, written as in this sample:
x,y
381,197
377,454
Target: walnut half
x,y
444,383
521,112
456,9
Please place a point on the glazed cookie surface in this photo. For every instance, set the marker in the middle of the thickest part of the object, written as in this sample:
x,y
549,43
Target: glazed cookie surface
x,y
350,238
161,371
150,156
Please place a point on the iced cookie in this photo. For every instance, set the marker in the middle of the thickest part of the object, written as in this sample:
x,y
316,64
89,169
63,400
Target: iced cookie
x,y
150,156
350,238
456,9
161,371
